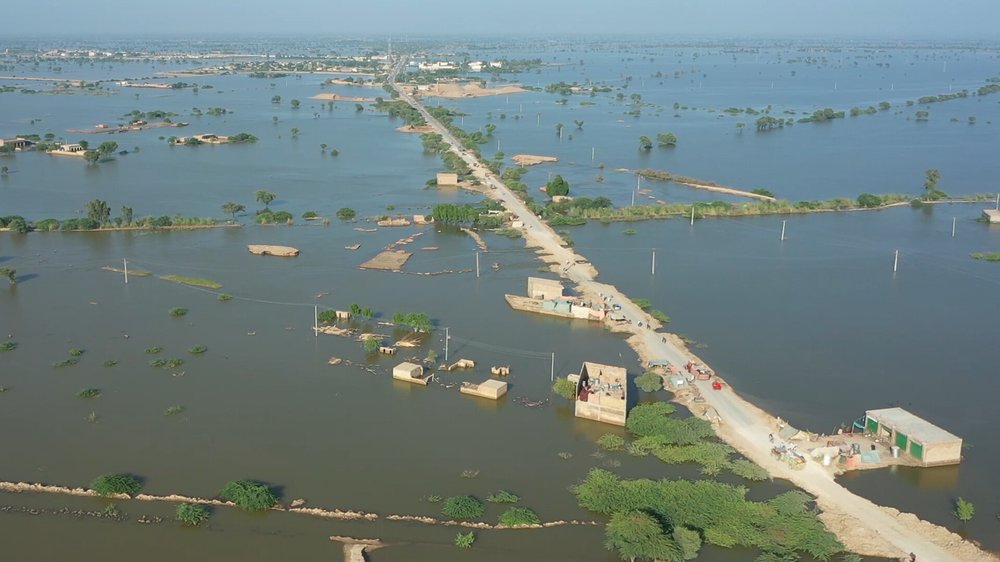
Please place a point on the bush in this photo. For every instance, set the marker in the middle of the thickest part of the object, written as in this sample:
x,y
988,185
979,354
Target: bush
x,y
516,516
153,350
659,316
462,507
565,388
110,362
611,442
89,393
649,381
225,297
371,345
249,495
309,215
173,410
465,540
869,201
8,346
76,352
66,362
749,470
192,514
111,484
503,496
197,350
346,213
177,312
964,510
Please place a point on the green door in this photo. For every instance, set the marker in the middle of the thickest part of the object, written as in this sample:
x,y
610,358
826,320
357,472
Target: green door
x,y
872,425
901,440
917,450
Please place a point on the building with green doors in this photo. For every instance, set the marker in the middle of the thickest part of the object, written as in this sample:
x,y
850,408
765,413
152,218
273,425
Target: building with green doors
x,y
927,443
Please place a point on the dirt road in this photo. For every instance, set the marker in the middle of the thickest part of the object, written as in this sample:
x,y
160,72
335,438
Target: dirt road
x,y
860,524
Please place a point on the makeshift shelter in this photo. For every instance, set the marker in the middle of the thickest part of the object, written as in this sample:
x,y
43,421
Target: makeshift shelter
x,y
924,441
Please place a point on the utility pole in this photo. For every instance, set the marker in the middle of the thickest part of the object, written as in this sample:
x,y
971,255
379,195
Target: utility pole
x,y
316,320
633,198
783,230
653,269
895,262
477,265
538,119
446,338
692,215
593,153
953,221
125,261
552,369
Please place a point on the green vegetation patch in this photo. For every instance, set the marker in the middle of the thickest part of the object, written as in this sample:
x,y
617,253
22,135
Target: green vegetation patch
x,y
986,256
223,297
649,381
249,495
110,363
112,484
8,346
197,350
177,312
192,514
194,281
66,362
463,507
465,540
76,352
173,410
783,525
519,516
563,387
153,350
503,496
611,442
89,393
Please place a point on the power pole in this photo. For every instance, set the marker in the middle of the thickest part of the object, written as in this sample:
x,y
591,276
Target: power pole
x,y
895,262
477,265
316,320
446,338
653,269
552,369
125,261
692,215
953,221
783,230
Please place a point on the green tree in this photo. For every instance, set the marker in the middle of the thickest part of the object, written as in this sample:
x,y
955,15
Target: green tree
x,y
127,215
98,210
636,535
84,144
107,147
264,198
112,484
666,139
10,273
557,186
490,128
232,208
579,124
645,143
931,178
295,132
564,388
275,99
358,107
296,104
4,170
462,507
249,495
559,129
91,156
649,381
964,510
869,200
192,514
346,213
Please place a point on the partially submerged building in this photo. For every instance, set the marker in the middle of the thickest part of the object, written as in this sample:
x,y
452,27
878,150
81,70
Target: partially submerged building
x,y
602,393
545,296
924,441
409,372
492,389
544,289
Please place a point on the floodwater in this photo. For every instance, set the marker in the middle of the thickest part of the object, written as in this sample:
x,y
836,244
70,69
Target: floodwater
x,y
816,329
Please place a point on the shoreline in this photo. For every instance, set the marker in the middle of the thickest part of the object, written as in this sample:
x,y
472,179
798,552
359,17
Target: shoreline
x,y
867,529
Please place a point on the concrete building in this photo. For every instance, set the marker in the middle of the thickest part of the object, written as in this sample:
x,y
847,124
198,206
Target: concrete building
x,y
447,178
17,142
924,441
992,216
492,389
409,372
539,288
602,393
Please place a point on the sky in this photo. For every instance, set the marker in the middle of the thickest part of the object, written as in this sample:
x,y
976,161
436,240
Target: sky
x,y
953,19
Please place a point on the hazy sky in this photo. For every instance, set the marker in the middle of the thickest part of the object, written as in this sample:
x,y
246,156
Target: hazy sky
x,y
895,18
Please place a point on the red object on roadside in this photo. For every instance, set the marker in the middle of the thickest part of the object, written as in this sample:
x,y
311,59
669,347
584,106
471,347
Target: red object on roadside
x,y
717,385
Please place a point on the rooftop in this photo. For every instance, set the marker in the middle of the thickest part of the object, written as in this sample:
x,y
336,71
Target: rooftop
x,y
912,426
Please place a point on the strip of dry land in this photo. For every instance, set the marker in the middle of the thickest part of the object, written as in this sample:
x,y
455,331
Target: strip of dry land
x,y
861,525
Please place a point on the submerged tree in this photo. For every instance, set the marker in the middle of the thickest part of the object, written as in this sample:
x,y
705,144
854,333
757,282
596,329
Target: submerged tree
x,y
264,198
232,208
10,273
98,211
